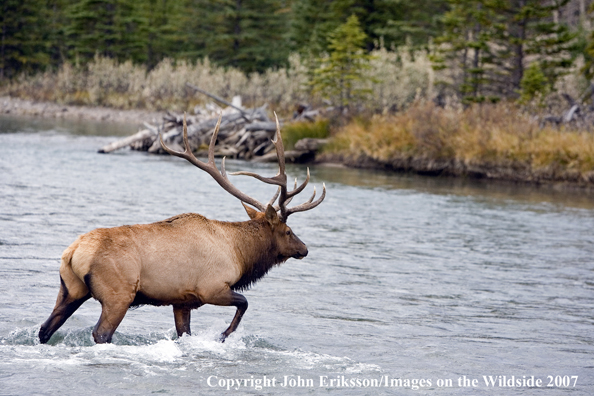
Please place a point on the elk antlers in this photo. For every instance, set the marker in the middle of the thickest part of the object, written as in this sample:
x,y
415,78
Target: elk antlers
x,y
280,179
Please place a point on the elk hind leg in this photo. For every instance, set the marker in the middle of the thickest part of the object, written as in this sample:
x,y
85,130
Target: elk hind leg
x,y
73,293
181,314
112,313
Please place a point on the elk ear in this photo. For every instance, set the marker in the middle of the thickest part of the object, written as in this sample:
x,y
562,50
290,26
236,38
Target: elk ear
x,y
250,211
271,216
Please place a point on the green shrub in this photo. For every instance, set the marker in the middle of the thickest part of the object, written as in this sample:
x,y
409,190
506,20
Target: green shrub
x,y
294,132
534,84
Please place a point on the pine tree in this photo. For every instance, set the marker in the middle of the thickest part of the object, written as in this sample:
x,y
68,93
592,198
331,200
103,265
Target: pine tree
x,y
112,28
414,23
56,21
313,22
527,30
23,43
493,40
246,34
395,22
341,72
263,42
534,83
162,29
194,29
467,27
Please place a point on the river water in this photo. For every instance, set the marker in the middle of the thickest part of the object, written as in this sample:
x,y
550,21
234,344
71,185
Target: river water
x,y
428,286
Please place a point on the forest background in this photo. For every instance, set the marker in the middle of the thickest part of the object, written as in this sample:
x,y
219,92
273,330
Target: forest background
x,y
422,67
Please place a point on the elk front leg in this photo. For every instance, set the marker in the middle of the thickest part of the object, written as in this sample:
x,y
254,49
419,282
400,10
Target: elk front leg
x,y
242,305
229,298
181,315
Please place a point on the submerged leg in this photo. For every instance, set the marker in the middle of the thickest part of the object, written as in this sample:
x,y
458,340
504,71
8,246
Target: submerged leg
x,y
227,298
181,314
66,304
112,313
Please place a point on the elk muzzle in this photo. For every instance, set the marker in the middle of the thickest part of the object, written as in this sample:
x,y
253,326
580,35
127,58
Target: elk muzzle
x,y
301,249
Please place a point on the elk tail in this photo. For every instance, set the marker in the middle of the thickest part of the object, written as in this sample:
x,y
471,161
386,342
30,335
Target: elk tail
x,y
71,285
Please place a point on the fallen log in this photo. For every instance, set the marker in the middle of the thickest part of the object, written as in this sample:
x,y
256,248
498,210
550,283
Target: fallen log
x,y
144,134
292,156
261,126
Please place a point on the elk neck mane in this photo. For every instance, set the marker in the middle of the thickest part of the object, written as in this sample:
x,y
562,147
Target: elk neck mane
x,y
257,251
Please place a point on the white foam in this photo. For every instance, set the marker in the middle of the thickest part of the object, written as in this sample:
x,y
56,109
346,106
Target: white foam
x,y
162,351
208,341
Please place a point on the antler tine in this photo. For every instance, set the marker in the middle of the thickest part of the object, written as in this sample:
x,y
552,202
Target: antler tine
x,y
281,178
280,149
187,154
271,202
213,140
284,196
223,168
210,166
296,190
277,207
309,204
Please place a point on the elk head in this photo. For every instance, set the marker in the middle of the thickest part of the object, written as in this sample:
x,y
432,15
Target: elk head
x,y
276,214
287,243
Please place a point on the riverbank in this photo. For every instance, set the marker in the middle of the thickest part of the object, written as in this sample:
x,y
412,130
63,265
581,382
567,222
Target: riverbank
x,y
30,108
487,142
490,141
511,172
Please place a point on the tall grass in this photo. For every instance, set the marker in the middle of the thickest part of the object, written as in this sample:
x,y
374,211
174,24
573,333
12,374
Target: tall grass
x,y
496,135
104,82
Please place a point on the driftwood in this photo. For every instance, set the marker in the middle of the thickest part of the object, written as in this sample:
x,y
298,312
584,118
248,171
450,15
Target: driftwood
x,y
243,134
130,140
579,115
218,99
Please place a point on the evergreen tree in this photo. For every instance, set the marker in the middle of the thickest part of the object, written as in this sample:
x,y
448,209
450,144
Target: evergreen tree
x,y
162,27
23,44
467,31
396,22
342,70
111,28
56,21
411,22
493,40
534,83
527,30
194,29
313,22
247,34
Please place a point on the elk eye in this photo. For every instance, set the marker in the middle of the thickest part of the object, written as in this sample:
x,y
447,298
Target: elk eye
x,y
288,232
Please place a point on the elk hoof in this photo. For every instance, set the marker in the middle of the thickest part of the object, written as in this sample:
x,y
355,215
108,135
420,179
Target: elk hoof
x,y
222,337
44,336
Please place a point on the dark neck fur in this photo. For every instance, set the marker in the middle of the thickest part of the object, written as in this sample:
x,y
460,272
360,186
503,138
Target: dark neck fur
x,y
259,255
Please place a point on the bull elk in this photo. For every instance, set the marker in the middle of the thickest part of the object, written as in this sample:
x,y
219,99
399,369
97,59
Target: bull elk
x,y
185,261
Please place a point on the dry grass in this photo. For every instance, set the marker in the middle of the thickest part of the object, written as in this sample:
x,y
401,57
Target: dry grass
x,y
497,135
104,82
